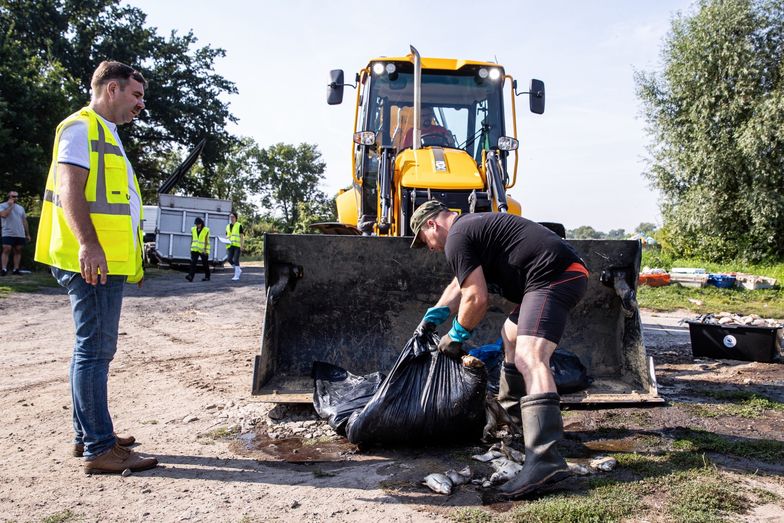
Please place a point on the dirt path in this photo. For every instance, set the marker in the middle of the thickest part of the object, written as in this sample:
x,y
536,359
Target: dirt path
x,y
181,383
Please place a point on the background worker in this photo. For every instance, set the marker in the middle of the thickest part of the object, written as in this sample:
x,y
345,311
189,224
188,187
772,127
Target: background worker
x,y
534,268
15,232
200,248
92,240
236,237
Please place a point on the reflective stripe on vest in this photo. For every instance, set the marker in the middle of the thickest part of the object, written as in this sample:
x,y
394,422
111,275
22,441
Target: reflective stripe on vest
x,y
198,239
108,201
101,204
233,233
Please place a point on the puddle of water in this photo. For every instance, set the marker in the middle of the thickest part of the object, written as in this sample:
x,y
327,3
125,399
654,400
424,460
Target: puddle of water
x,y
295,450
615,445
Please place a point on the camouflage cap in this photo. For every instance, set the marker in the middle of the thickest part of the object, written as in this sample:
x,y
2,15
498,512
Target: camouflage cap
x,y
427,210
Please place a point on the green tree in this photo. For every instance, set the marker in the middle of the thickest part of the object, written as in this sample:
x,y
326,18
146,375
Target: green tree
x,y
714,114
645,228
49,49
237,178
585,232
616,234
290,176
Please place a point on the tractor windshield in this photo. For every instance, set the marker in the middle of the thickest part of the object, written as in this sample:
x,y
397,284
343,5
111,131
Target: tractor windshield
x,y
459,110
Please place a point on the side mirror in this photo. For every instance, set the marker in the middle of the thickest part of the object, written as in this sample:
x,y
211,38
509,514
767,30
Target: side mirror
x,y
335,87
536,96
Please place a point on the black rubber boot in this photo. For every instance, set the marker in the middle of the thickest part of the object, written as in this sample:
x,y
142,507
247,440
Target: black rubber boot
x,y
542,428
511,389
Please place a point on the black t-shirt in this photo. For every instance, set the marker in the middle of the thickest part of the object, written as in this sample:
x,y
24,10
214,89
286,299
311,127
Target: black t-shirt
x,y
515,254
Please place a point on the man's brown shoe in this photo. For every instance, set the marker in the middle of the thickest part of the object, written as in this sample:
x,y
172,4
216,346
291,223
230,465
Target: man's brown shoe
x,y
78,450
116,460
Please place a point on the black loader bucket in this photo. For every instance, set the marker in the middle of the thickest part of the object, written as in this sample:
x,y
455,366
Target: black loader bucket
x,y
354,301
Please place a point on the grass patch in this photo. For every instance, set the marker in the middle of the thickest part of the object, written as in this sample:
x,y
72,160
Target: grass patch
x,y
604,502
748,405
220,433
60,517
26,282
701,441
768,303
472,515
705,500
648,466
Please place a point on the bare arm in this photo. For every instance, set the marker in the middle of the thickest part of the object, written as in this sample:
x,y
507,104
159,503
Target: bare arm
x,y
450,297
473,299
26,228
92,259
4,213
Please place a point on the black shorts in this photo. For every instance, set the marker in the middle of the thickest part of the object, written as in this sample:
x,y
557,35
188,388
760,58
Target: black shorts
x,y
543,312
14,241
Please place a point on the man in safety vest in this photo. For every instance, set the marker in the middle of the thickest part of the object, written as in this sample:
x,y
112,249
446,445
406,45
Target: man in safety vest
x,y
234,233
200,248
90,236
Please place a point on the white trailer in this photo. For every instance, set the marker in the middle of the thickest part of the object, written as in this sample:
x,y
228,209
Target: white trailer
x,y
176,215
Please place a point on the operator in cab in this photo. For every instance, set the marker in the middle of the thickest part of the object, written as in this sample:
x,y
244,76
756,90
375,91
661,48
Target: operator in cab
x,y
430,132
543,274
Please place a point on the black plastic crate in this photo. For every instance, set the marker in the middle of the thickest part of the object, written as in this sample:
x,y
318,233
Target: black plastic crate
x,y
733,342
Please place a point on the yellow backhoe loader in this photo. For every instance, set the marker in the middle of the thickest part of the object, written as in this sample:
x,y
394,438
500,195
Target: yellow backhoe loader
x,y
427,128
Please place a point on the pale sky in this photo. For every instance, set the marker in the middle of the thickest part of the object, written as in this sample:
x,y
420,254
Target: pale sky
x,y
580,162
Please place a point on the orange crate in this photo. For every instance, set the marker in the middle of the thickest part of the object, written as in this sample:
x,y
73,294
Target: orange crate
x,y
655,280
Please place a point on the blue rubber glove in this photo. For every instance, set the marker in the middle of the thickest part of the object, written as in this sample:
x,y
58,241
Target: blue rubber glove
x,y
434,317
458,332
452,343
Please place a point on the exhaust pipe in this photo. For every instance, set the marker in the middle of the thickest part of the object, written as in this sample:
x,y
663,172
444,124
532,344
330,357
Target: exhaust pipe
x,y
417,97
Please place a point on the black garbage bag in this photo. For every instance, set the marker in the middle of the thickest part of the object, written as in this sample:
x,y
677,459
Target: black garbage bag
x,y
428,398
338,393
569,372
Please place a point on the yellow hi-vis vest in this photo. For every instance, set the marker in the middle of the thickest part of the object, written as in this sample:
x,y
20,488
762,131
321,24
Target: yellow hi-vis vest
x,y
233,233
108,201
200,239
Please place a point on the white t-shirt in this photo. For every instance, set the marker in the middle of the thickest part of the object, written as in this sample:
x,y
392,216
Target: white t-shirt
x,y
74,149
13,224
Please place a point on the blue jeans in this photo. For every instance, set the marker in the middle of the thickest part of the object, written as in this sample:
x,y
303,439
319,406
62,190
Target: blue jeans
x,y
96,315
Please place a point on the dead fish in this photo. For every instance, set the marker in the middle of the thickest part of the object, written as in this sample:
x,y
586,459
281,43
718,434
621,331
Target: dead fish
x,y
578,469
459,477
605,464
513,454
487,456
438,483
506,469
470,361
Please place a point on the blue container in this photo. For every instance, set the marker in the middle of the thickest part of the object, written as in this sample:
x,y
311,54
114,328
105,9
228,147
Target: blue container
x,y
722,281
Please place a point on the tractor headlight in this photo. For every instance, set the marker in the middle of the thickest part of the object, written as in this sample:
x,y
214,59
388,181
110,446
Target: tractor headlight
x,y
482,73
365,138
390,68
507,143
495,74
378,68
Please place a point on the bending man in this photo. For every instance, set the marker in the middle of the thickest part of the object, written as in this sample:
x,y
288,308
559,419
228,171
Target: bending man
x,y
543,274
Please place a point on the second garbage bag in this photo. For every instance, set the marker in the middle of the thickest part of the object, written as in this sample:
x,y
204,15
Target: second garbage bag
x,y
427,398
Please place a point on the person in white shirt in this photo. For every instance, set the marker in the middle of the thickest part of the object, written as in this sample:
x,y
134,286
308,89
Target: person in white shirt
x,y
15,232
